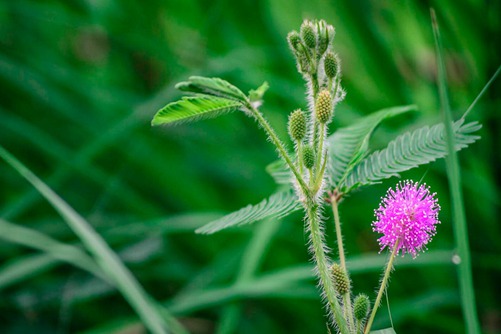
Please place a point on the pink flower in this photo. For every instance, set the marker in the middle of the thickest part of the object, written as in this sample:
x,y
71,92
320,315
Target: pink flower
x,y
407,215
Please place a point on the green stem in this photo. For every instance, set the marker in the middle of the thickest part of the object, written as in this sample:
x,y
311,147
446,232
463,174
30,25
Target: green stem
x,y
339,236
300,157
323,266
382,288
280,147
342,257
318,167
348,310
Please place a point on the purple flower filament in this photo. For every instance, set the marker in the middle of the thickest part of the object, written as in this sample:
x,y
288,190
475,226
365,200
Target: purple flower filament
x,y
408,216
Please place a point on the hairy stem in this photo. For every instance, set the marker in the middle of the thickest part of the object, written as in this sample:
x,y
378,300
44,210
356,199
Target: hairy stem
x,y
382,288
339,236
342,259
280,147
321,138
322,264
300,157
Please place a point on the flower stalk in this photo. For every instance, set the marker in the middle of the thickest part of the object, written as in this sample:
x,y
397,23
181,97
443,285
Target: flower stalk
x,y
382,288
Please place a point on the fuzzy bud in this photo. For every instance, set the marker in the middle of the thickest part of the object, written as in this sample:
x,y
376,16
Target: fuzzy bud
x,y
308,34
323,106
340,278
325,36
308,157
294,40
330,65
361,306
297,125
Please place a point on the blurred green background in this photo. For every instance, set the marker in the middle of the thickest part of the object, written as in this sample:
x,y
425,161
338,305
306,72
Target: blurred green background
x,y
80,81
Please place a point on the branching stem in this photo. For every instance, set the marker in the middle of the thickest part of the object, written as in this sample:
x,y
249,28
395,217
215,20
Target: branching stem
x,y
280,147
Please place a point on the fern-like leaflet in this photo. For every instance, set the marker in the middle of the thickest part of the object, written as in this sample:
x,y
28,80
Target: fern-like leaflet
x,y
276,206
408,151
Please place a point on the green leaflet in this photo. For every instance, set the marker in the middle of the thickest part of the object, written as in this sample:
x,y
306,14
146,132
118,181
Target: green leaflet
x,y
408,151
279,171
256,95
348,145
194,108
213,86
276,206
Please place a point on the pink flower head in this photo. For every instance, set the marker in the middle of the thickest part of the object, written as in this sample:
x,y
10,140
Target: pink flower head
x,y
407,215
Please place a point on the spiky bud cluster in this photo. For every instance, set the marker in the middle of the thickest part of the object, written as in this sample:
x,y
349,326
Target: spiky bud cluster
x,y
297,125
323,106
361,306
330,65
308,157
340,278
308,34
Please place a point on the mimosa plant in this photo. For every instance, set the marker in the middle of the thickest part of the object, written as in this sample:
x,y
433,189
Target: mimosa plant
x,y
322,169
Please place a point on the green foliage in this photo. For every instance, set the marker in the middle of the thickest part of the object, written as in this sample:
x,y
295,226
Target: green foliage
x,y
77,112
215,87
408,151
256,95
348,145
109,263
194,108
276,206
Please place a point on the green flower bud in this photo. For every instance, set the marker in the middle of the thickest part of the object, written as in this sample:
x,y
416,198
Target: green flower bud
x,y
361,306
308,157
297,125
294,40
323,106
308,34
325,35
330,65
340,278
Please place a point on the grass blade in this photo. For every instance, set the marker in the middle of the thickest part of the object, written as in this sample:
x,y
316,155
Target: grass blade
x,y
58,250
109,262
22,268
459,220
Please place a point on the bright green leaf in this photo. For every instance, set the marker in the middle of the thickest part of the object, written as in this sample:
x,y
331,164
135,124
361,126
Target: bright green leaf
x,y
212,86
194,108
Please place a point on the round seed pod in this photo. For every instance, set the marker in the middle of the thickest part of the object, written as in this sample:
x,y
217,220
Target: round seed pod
x,y
323,106
330,65
361,306
297,125
308,157
341,281
308,34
